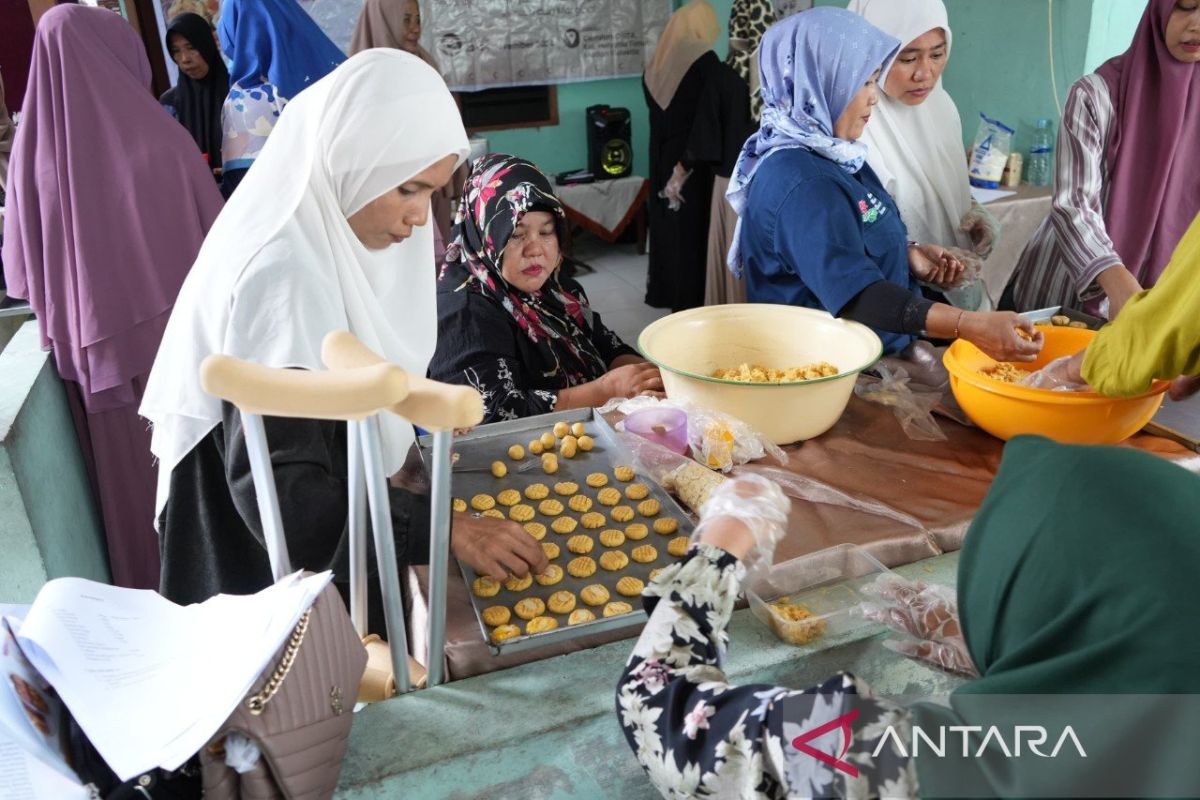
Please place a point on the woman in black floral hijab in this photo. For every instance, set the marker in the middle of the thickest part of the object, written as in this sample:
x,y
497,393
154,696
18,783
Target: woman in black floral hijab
x,y
509,323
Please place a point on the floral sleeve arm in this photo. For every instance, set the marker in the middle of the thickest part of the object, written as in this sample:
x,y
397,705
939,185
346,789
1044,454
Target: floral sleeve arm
x,y
505,397
698,736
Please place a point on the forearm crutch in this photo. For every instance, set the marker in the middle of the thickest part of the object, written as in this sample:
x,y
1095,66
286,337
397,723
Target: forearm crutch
x,y
440,408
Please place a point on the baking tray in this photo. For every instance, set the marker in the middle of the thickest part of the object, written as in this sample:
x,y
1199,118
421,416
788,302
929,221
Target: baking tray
x,y
1044,315
474,454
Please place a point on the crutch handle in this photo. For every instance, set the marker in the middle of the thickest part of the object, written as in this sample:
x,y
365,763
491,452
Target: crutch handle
x,y
307,394
429,404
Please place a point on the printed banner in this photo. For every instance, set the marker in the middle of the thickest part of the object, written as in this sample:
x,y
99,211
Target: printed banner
x,y
488,43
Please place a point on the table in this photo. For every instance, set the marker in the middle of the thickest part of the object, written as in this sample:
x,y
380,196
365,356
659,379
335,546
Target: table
x,y
867,483
606,208
1019,217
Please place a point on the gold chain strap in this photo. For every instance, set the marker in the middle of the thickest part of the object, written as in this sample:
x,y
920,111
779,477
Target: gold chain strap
x,y
258,703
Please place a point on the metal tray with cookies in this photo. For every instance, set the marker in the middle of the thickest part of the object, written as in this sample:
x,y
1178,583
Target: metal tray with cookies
x,y
587,480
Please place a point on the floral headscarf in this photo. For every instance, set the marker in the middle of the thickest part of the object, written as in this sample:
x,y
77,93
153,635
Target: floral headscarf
x,y
499,191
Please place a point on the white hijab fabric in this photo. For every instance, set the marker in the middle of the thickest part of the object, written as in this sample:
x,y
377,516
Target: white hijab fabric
x,y
281,267
917,151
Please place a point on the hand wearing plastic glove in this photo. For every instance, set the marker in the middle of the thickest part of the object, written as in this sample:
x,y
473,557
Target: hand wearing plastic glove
x,y
927,613
982,227
673,191
1060,375
972,266
761,508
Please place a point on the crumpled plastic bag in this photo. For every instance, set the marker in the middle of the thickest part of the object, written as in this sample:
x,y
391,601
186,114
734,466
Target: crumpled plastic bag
x,y
691,482
913,409
718,441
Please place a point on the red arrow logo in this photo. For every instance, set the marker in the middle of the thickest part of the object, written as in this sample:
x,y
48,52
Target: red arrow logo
x,y
842,723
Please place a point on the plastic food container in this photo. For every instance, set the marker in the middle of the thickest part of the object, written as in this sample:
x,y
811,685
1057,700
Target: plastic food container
x,y
690,346
1006,410
664,426
827,583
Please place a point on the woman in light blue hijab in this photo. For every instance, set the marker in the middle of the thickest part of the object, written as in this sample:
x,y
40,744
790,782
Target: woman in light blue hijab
x,y
817,229
275,50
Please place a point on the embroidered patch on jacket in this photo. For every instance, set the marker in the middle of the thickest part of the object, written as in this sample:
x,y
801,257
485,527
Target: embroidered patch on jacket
x,y
872,212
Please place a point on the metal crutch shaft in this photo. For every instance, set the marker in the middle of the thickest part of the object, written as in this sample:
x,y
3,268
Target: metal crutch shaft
x,y
439,553
264,489
357,526
385,549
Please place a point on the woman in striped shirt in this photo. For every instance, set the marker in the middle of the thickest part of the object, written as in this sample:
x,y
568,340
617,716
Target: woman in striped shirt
x,y
1127,182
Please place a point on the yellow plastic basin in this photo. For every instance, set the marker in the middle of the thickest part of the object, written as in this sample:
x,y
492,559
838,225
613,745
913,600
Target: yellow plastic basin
x,y
1006,410
690,346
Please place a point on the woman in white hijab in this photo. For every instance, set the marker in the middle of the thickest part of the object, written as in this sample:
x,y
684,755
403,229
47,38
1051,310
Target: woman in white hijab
x,y
328,232
915,141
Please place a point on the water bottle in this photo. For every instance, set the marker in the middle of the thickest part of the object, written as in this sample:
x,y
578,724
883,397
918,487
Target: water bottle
x,y
1040,155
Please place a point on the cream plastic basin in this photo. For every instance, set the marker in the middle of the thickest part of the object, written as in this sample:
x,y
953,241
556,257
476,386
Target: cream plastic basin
x,y
690,346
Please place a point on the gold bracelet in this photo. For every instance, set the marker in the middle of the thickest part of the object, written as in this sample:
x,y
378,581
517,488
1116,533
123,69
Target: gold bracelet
x,y
958,321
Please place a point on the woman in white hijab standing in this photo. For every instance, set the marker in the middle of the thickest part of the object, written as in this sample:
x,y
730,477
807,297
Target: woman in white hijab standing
x,y
328,232
914,142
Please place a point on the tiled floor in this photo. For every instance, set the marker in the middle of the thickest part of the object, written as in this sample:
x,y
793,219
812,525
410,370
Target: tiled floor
x,y
617,286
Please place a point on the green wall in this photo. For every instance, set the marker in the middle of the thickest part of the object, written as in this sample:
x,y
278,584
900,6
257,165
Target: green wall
x,y
1000,65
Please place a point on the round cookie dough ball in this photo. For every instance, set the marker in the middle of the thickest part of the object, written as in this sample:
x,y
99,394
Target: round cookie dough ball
x,y
597,479
637,531
578,430
536,448
495,615
593,520
498,469
549,463
582,567
520,513
666,525
623,474
614,560
551,550
509,497
493,513
535,529
569,447
552,575
485,586
644,554
617,608
595,594
537,491
580,503
482,502
612,538
548,442
566,488
502,633
637,491
608,497
580,616
580,545
564,525
550,507
515,584
586,443
654,573
630,586
458,504
541,625
516,452
622,514
678,546
562,602
649,508
561,429
529,607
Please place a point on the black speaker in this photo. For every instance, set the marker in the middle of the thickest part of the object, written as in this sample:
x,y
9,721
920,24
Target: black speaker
x,y
610,142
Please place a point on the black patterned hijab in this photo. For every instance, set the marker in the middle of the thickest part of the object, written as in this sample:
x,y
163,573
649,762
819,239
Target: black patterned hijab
x,y
558,320
748,21
198,103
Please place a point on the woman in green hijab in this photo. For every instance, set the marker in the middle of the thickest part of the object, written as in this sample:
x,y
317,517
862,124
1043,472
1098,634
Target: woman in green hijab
x,y
1078,578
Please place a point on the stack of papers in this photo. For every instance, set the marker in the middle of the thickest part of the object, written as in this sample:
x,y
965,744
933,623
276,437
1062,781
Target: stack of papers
x,y
150,681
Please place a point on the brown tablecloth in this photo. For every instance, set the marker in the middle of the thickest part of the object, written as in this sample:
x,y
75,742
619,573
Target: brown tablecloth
x,y
867,483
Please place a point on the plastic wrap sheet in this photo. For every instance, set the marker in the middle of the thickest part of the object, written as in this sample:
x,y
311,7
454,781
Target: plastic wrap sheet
x,y
864,482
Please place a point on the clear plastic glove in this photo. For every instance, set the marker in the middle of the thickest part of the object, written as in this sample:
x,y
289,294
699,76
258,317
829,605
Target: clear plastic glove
x,y
673,191
972,267
756,502
982,227
1060,375
928,613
